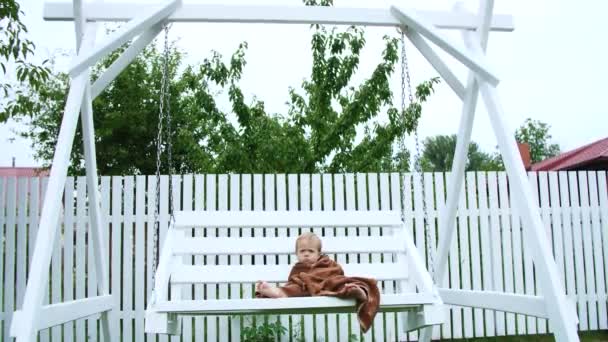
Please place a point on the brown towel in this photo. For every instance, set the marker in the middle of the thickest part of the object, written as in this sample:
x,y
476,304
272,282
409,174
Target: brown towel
x,y
325,277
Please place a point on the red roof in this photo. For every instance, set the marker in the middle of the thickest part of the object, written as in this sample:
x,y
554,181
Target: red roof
x,y
23,171
594,152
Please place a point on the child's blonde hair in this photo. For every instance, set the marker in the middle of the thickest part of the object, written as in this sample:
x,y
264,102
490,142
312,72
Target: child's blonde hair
x,y
309,236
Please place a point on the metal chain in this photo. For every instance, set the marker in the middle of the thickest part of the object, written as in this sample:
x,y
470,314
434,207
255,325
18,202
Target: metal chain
x,y
159,145
167,100
405,79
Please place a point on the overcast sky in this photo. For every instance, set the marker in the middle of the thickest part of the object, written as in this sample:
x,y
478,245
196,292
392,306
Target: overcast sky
x,y
552,67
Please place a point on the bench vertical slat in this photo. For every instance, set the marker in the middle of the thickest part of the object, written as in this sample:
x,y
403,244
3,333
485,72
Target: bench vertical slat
x,y
128,274
211,289
305,206
388,286
316,204
188,260
364,258
199,290
270,205
281,204
339,205
222,205
246,193
292,203
351,204
235,289
408,222
332,328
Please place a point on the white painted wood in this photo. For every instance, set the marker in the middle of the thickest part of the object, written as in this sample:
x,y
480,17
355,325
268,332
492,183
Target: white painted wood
x,y
3,206
497,250
199,290
140,243
587,233
577,239
603,214
389,286
568,239
81,255
116,237
560,312
475,62
446,328
20,227
193,12
10,250
283,245
127,260
176,291
476,261
507,242
304,202
222,205
317,205
56,314
187,290
405,202
297,219
289,305
464,259
515,303
210,230
596,233
56,268
143,20
333,188
486,248
164,234
151,203
530,288
50,212
442,69
518,270
350,205
556,220
124,60
281,204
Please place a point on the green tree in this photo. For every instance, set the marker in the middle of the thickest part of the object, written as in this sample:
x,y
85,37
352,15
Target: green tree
x,y
15,50
536,134
438,155
317,134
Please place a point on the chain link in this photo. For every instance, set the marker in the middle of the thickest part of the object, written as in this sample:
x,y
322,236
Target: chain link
x,y
159,145
405,80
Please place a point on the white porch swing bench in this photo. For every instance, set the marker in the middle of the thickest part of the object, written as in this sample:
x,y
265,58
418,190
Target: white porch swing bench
x,y
419,297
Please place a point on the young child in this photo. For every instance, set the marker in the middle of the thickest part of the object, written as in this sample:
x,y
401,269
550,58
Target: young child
x,y
316,274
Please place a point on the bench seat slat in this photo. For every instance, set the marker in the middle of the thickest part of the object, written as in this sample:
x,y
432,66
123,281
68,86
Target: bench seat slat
x,y
299,305
282,245
188,274
265,219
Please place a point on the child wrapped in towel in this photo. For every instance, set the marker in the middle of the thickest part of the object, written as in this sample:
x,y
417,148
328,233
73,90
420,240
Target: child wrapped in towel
x,y
316,274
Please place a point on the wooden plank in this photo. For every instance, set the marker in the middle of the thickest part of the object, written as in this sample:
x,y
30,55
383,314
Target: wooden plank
x,y
222,205
115,241
316,204
530,286
186,204
210,290
333,192
296,321
56,266
192,12
283,245
556,220
408,213
105,212
21,258
150,228
433,221
465,258
199,290
362,189
351,205
281,204
294,304
476,273
235,289
568,236
3,206
596,232
91,271
603,205
172,206
309,332
68,252
587,233
388,287
446,328
486,249
302,219
518,270
496,242
81,249
579,273
9,272
140,267
514,303
127,261
507,245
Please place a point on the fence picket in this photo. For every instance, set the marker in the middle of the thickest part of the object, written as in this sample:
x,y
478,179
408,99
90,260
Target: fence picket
x,y
3,313
281,204
602,178
199,290
338,195
235,289
596,232
587,233
140,244
222,198
578,252
9,271
568,240
476,262
497,250
186,204
486,249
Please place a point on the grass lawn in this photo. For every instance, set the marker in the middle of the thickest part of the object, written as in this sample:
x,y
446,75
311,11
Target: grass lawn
x,y
595,336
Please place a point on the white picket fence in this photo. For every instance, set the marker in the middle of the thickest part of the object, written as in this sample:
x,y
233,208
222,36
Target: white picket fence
x,y
488,254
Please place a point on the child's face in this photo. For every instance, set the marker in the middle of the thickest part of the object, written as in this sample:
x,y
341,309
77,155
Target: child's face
x,y
307,251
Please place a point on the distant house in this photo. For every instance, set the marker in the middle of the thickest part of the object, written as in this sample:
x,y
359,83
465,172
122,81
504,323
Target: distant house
x,y
593,156
11,171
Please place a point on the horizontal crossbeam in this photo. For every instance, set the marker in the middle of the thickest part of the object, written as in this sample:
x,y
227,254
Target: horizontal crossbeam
x,y
125,11
57,314
295,305
508,302
283,245
267,219
187,274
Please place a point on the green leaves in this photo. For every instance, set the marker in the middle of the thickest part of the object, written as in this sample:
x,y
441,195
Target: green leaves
x,y
15,49
536,134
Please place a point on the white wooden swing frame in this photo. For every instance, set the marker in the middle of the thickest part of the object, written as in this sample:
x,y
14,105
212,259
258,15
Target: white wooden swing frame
x,y
146,21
